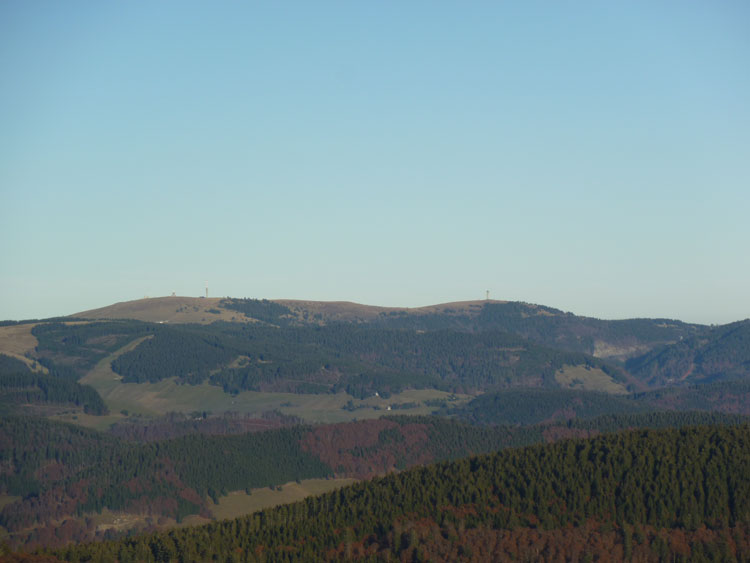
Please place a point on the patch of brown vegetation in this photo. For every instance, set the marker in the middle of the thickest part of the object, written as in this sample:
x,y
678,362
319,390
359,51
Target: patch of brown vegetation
x,y
354,449
425,540
168,310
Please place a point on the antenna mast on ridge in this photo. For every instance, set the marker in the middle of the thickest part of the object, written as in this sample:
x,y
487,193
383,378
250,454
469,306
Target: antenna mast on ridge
x,y
206,289
487,295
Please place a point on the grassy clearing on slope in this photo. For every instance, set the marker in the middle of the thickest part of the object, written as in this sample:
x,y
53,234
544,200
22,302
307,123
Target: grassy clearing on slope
x,y
239,503
7,499
173,309
169,396
78,417
330,408
233,505
102,378
156,399
17,341
589,379
153,399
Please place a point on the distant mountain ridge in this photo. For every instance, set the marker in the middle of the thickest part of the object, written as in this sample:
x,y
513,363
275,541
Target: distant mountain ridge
x,y
306,347
359,359
614,339
313,348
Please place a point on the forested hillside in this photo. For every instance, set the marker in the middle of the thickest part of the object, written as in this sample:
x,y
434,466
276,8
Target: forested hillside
x,y
358,360
650,495
79,472
721,354
176,425
724,396
79,346
20,388
487,346
551,327
533,406
543,325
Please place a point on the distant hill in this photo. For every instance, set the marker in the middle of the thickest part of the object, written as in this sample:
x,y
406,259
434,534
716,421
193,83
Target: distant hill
x,y
179,309
618,339
719,354
174,309
305,347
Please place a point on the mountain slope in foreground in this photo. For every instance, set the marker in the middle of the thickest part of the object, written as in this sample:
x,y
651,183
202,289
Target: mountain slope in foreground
x,y
681,495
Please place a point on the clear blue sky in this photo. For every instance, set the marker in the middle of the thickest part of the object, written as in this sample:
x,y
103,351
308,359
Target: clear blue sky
x,y
591,156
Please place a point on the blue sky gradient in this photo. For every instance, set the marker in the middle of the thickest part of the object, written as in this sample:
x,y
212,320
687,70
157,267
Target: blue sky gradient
x,y
591,156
